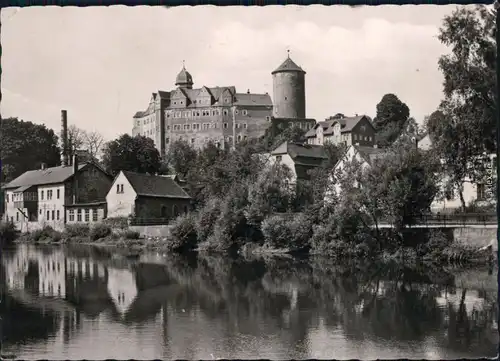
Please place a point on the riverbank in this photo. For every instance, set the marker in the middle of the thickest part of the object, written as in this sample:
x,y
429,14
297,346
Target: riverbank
x,y
458,255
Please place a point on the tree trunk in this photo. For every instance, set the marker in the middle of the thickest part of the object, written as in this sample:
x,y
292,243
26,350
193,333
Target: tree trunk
x,y
462,200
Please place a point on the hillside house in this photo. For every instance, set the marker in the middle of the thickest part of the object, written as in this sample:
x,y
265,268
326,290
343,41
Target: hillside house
x,y
364,156
51,196
345,130
300,158
146,196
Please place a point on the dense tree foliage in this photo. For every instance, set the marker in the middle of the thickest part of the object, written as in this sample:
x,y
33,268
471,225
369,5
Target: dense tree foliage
x,y
25,146
392,116
463,128
136,154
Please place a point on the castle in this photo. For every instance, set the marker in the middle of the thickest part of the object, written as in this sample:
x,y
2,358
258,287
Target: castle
x,y
221,114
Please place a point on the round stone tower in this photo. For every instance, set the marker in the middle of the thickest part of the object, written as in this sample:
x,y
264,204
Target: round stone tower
x,y
289,91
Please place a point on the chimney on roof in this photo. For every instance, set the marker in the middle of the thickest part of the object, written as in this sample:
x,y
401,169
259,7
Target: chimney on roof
x,y
248,91
64,137
75,163
43,166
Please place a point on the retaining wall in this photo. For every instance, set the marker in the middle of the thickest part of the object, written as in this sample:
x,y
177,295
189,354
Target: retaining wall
x,y
477,237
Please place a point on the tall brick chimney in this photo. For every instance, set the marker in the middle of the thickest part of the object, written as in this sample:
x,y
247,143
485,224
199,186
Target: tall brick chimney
x,y
64,137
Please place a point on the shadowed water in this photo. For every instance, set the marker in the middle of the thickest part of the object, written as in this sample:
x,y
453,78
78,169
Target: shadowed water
x,y
81,303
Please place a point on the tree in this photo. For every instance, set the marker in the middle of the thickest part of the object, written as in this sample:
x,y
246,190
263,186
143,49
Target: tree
x,y
396,188
392,115
136,154
180,158
92,142
25,146
469,72
274,139
463,128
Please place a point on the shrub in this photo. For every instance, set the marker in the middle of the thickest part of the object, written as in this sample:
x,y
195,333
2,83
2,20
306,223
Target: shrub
x,y
183,236
77,230
292,232
130,234
8,233
46,233
98,231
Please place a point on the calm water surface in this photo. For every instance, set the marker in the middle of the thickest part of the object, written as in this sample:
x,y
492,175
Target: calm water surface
x,y
81,303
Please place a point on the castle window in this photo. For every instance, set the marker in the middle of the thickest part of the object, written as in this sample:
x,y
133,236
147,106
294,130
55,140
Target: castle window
x,y
168,127
57,215
244,137
239,138
41,195
286,98
175,103
167,140
245,112
58,193
238,125
53,215
192,140
48,215
71,215
236,111
168,115
268,118
225,125
187,126
245,125
225,112
226,100
214,112
40,211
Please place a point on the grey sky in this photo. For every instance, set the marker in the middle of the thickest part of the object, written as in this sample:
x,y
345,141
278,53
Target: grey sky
x,y
103,63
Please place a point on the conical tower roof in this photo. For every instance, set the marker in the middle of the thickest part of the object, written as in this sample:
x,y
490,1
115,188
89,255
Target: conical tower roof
x,y
184,79
288,65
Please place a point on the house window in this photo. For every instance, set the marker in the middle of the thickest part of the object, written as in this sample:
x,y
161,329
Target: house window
x,y
57,215
17,216
167,140
94,215
53,215
481,192
79,215
40,212
268,118
185,209
163,212
41,195
121,188
87,215
48,215
71,215
117,188
175,211
278,158
58,193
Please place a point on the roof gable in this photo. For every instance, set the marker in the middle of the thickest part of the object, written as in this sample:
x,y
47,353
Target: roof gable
x,y
154,186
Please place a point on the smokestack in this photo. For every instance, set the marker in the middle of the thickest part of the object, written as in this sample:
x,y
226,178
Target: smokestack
x,y
64,137
75,178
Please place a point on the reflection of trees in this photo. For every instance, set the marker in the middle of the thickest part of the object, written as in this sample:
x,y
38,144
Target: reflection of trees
x,y
391,303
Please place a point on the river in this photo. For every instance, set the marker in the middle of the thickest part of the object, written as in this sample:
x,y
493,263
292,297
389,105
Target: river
x,y
84,303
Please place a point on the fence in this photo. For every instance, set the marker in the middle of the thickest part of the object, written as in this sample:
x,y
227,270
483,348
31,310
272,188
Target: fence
x,y
460,219
149,221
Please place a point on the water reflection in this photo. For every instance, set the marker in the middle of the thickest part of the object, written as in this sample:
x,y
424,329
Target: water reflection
x,y
76,303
